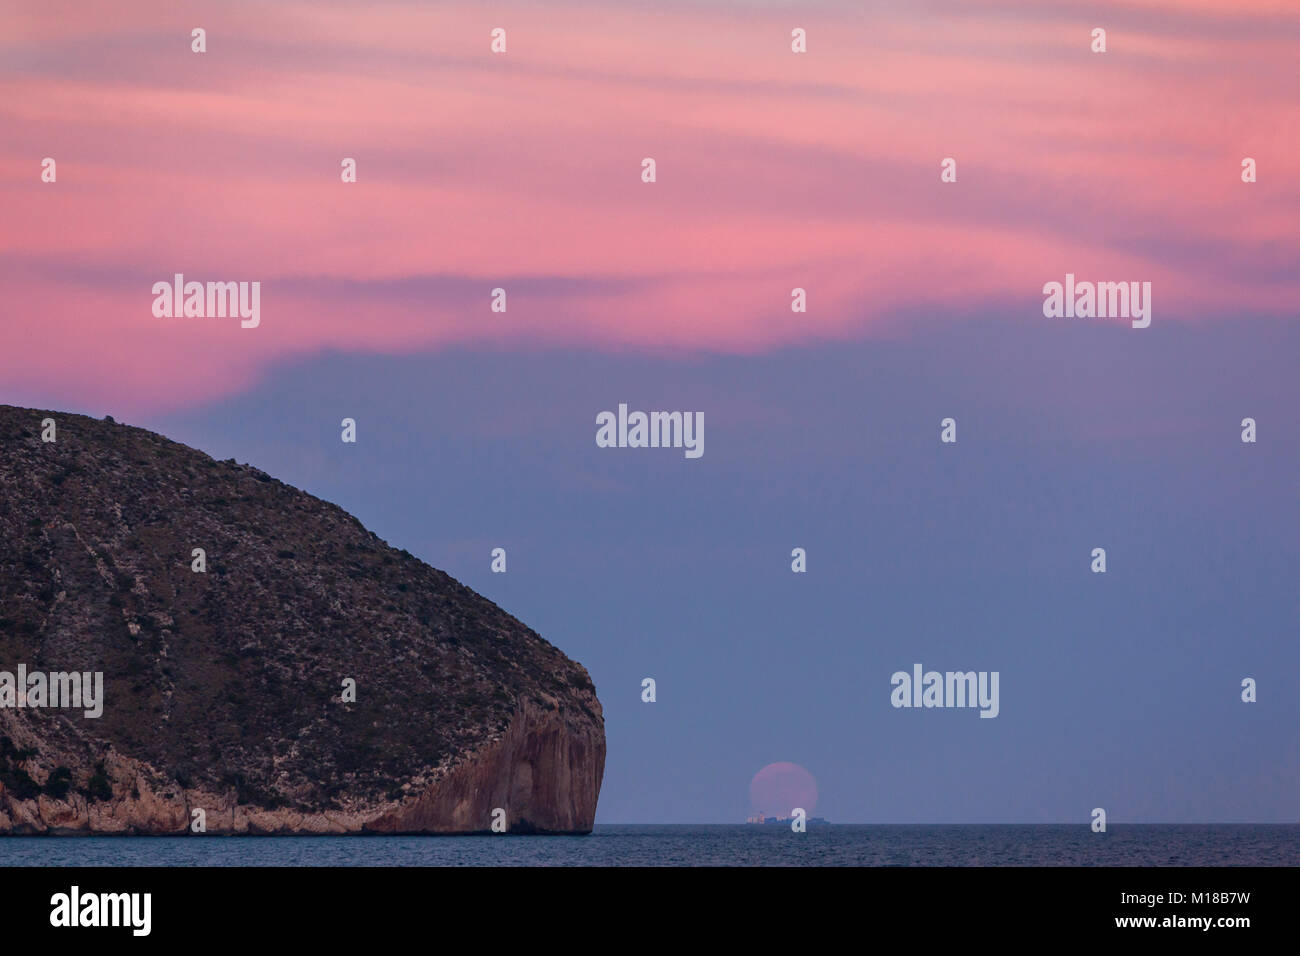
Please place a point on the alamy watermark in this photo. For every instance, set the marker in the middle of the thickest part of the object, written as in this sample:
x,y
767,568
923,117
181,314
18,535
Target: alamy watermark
x,y
651,430
75,908
73,689
949,689
179,298
1102,300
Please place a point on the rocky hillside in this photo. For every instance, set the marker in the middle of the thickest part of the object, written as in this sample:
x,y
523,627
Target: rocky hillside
x,y
224,688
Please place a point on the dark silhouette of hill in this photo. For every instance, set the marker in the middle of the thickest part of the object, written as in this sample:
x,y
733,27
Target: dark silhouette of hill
x,y
223,688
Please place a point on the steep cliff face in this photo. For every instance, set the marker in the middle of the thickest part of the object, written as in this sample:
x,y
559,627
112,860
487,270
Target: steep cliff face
x,y
224,690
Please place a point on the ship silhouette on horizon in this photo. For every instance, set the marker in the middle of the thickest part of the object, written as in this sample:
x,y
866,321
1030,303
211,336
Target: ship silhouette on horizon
x,y
761,820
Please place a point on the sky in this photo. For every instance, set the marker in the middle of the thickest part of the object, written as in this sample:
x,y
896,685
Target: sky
x,y
774,171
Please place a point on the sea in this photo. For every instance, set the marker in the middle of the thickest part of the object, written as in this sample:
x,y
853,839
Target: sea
x,y
703,845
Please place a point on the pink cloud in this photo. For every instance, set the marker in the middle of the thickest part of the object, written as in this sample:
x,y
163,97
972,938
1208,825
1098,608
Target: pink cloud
x,y
776,170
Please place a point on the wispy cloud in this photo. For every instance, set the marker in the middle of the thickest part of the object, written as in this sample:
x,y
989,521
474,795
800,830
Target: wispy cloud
x,y
521,171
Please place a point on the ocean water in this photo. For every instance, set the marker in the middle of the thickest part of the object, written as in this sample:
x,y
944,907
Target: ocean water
x,y
689,845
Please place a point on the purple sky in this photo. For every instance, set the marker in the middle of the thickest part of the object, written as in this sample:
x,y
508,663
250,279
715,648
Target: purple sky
x,y
775,170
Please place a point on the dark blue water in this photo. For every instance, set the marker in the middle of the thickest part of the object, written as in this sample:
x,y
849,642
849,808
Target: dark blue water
x,y
643,845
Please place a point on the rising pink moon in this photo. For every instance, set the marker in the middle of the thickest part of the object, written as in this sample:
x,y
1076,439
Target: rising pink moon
x,y
780,787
